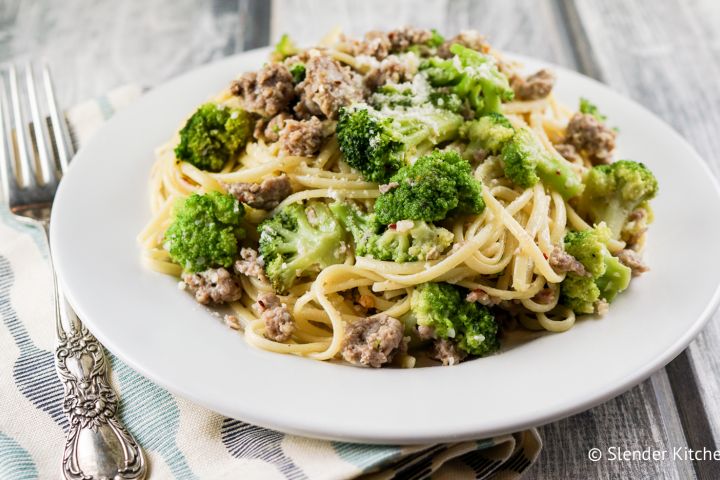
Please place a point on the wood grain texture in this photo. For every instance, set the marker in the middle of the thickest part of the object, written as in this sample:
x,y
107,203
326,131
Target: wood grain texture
x,y
632,421
95,46
666,55
534,29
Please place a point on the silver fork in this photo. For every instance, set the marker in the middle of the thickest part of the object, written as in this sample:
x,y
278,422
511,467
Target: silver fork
x,y
97,445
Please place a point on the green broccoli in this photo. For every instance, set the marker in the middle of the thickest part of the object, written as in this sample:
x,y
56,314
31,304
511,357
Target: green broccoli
x,y
422,241
393,95
436,39
284,48
212,135
580,294
378,143
300,240
416,93
489,134
605,278
614,191
525,161
429,47
446,100
205,231
473,76
436,186
443,307
440,72
591,109
297,70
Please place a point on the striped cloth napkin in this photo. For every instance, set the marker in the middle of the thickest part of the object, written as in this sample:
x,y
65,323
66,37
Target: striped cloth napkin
x,y
182,440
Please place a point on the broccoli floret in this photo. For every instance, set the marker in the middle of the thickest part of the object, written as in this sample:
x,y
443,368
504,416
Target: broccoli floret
x,y
520,158
591,109
393,95
525,161
368,144
378,143
606,276
205,231
420,242
212,135
489,134
443,307
363,227
300,240
446,100
439,72
284,48
436,186
580,294
613,191
415,93
297,71
436,39
473,76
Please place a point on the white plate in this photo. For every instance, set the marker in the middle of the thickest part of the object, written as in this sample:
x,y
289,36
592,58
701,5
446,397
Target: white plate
x,y
161,332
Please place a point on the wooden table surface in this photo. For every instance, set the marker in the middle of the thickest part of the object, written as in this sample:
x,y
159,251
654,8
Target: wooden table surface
x,y
665,54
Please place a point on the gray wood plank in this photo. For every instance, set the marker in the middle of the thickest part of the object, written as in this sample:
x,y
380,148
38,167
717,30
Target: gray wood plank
x,y
533,29
92,50
665,55
255,17
645,416
629,422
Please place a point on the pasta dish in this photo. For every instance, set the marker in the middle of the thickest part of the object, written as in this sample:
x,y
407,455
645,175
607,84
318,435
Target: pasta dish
x,y
398,197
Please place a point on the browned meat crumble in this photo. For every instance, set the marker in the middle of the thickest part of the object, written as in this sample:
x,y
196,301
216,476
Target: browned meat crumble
x,y
266,92
569,153
390,70
327,87
215,285
250,264
592,137
264,196
302,138
269,130
373,341
279,324
447,352
534,87
562,262
483,298
633,260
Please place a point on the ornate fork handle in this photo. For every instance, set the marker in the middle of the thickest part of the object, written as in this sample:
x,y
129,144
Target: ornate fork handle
x,y
97,446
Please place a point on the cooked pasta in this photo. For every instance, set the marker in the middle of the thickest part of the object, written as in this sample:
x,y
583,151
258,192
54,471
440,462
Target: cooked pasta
x,y
512,257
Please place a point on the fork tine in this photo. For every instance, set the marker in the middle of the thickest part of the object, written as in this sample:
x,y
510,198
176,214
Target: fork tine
x,y
24,151
48,171
60,128
9,181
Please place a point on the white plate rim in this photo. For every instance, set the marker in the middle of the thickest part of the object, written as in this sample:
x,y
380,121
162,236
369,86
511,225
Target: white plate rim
x,y
411,434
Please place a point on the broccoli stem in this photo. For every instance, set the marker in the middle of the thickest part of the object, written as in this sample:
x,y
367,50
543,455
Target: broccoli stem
x,y
560,176
438,126
615,214
614,280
